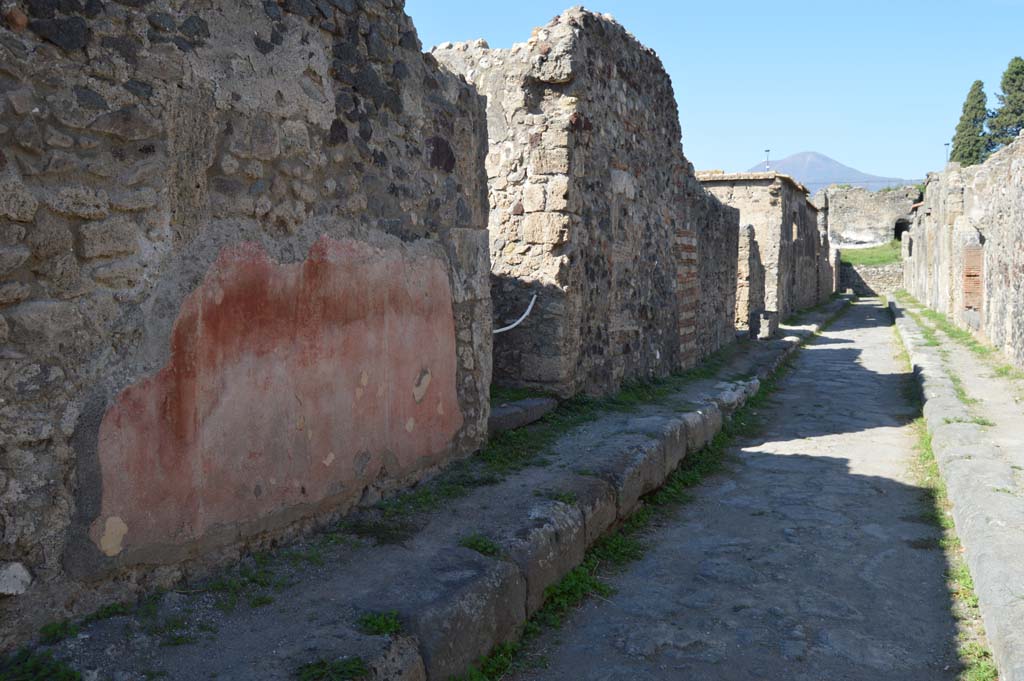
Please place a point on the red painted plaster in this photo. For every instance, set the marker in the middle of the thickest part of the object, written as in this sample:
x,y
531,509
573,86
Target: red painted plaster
x,y
286,385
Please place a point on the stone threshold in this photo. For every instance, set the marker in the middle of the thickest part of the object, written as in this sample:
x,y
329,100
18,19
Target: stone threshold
x,y
519,413
989,521
454,604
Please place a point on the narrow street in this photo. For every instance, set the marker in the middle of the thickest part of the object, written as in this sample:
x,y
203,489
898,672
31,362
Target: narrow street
x,y
807,558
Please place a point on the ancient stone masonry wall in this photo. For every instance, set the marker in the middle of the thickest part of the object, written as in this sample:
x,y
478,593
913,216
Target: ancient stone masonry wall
x,y
749,284
858,217
867,280
963,256
587,187
717,229
243,282
786,231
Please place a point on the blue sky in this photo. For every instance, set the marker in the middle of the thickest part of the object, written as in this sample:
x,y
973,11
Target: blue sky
x,y
875,85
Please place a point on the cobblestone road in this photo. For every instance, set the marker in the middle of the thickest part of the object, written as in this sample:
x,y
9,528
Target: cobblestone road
x,y
806,559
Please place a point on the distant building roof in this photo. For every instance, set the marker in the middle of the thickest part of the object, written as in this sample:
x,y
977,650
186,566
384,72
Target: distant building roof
x,y
767,176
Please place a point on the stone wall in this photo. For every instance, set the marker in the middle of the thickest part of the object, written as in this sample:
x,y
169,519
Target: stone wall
x,y
786,229
858,217
963,256
243,282
749,284
717,228
588,198
874,280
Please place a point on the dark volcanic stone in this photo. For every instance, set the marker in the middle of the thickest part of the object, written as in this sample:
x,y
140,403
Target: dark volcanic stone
x,y
409,41
162,21
70,33
125,46
195,28
93,8
272,10
441,154
368,84
262,45
182,44
42,9
275,36
139,88
345,52
324,9
346,6
338,133
365,129
303,8
88,98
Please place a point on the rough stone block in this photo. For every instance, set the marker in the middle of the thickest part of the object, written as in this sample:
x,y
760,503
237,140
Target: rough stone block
x,y
14,579
108,239
546,228
16,202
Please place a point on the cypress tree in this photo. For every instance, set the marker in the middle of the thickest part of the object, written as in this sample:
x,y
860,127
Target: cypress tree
x,y
970,143
1008,120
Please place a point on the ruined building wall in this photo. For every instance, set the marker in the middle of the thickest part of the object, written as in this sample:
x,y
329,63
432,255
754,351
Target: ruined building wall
x,y
786,229
749,283
717,228
826,277
587,195
858,217
243,282
963,256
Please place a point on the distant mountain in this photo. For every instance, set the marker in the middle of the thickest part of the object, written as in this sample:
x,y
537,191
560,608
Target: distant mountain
x,y
816,171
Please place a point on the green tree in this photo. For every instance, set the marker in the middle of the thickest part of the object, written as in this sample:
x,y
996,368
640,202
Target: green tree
x,y
1008,120
970,143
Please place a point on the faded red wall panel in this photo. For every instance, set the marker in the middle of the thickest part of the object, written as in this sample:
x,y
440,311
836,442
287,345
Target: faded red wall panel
x,y
286,385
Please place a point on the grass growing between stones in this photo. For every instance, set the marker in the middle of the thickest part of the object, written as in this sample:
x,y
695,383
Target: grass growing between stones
x,y
25,665
626,544
975,656
886,254
380,623
504,395
963,337
349,669
481,544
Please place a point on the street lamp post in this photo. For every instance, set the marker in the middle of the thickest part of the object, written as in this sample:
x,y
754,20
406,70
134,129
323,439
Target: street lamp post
x,y
767,163
947,152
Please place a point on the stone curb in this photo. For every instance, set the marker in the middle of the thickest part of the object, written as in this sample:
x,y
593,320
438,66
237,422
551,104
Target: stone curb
x,y
519,413
546,554
989,522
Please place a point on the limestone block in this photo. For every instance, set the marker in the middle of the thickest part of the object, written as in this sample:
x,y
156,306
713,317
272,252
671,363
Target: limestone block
x,y
533,198
14,292
14,579
11,258
558,193
16,202
109,238
121,274
546,228
549,162
81,202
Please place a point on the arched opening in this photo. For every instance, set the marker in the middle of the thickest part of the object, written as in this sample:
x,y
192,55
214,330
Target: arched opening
x,y
902,226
